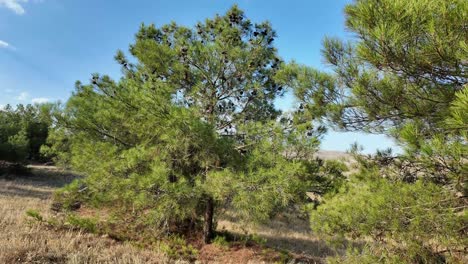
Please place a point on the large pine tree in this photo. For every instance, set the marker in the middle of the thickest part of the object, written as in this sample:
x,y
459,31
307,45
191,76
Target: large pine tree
x,y
403,74
190,128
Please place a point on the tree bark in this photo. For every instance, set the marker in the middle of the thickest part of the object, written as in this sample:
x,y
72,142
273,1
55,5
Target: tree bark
x,y
208,231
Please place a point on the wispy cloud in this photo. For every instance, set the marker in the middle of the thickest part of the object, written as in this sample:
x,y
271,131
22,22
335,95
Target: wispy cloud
x,y
14,5
4,44
23,96
40,100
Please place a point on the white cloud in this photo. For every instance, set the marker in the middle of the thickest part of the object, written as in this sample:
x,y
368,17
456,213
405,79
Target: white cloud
x,y
14,5
40,100
4,44
23,96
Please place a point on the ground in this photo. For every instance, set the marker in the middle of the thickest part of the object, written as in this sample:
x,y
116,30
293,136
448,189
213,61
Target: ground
x,y
26,241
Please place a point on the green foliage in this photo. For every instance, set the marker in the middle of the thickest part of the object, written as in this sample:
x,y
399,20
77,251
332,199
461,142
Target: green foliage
x,y
272,177
176,247
16,147
23,131
57,147
221,241
86,224
189,131
403,75
35,215
406,64
409,221
71,196
442,155
458,119
330,177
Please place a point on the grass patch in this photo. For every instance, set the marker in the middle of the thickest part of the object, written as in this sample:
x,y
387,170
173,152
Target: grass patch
x,y
83,223
177,247
221,241
35,215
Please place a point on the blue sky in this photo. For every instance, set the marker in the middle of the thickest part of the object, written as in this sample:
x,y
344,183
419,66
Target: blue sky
x,y
46,45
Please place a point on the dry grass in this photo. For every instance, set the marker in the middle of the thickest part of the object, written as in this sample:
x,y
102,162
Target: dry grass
x,y
25,241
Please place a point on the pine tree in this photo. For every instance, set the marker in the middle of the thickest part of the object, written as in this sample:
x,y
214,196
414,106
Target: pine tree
x,y
405,64
399,76
190,128
403,74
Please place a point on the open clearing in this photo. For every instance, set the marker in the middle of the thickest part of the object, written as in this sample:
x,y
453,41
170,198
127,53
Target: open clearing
x,y
25,241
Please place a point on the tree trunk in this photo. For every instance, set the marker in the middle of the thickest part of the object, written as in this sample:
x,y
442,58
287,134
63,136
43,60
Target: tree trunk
x,y
208,224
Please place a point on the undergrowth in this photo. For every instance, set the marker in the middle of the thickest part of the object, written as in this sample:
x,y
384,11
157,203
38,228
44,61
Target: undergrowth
x,y
174,246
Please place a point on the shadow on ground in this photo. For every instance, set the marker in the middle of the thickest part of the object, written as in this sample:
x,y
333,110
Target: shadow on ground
x,y
25,192
39,182
43,176
300,246
289,231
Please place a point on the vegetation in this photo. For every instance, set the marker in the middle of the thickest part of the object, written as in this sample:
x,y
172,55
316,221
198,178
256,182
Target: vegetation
x,y
28,237
23,130
190,130
189,134
406,222
405,65
403,75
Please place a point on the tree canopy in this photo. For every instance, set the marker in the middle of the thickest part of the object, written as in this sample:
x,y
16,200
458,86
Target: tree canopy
x,y
406,62
403,74
23,130
190,129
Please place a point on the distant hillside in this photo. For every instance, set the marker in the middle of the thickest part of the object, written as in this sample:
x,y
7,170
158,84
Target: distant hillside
x,y
331,154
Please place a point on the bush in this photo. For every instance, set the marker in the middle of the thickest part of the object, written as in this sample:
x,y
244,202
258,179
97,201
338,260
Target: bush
x,y
417,222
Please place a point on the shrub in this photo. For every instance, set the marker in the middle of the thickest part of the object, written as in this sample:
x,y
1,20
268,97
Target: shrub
x,y
415,222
